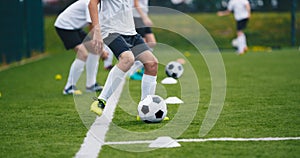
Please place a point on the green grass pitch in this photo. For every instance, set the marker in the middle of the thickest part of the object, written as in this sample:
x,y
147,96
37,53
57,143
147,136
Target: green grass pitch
x,y
262,100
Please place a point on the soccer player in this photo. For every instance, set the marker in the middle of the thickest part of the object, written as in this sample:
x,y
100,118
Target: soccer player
x,y
69,26
242,12
143,27
142,22
117,30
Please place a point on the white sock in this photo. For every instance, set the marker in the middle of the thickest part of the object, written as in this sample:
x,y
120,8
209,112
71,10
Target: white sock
x,y
109,60
92,63
244,40
148,85
240,44
76,70
115,77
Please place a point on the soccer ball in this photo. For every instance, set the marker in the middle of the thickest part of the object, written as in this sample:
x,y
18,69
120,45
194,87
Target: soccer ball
x,y
152,109
234,42
174,69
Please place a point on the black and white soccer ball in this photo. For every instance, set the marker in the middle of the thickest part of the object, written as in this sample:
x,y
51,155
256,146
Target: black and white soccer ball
x,y
234,43
174,69
152,109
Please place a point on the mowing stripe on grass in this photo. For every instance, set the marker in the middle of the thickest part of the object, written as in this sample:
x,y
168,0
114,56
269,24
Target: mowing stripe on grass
x,y
95,137
207,140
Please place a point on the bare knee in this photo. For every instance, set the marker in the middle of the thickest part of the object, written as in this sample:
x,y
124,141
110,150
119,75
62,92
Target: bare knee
x,y
126,60
240,33
81,52
150,63
151,68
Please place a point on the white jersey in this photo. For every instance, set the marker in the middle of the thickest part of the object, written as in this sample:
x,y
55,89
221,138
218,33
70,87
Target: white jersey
x,y
239,9
76,16
116,17
144,6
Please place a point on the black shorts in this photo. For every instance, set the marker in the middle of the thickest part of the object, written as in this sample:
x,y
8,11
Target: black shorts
x,y
242,24
71,38
120,43
141,28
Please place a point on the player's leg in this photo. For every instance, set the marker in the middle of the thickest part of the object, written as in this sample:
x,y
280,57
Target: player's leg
x,y
72,40
241,37
150,62
240,42
148,85
117,74
75,71
244,41
137,70
143,53
244,35
114,79
92,62
149,37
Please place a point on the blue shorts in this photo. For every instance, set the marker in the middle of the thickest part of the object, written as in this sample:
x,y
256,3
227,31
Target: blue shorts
x,y
121,43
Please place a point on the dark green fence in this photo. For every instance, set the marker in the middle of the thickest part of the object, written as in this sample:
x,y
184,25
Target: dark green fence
x,y
22,29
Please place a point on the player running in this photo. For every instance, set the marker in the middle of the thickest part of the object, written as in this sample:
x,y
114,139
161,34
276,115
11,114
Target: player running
x,y
117,30
69,26
242,12
143,27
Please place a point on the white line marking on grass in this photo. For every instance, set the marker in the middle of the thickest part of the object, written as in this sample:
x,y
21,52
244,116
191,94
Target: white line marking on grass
x,y
207,140
240,139
95,137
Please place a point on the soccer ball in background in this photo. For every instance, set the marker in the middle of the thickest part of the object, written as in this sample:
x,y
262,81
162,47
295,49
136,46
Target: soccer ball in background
x,y
174,69
234,43
152,109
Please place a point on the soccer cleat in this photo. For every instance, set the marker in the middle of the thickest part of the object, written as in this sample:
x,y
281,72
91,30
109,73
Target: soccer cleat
x,y
136,76
94,88
166,118
97,106
138,118
72,90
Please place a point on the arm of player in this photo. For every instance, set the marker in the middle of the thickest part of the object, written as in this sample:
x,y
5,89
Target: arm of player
x,y
248,7
97,37
223,13
104,54
147,21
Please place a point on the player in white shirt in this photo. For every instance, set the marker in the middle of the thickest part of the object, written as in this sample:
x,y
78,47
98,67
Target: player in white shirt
x,y
142,21
69,26
242,12
117,30
143,27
